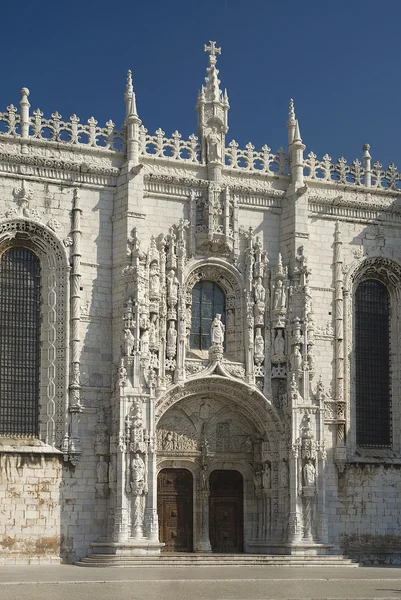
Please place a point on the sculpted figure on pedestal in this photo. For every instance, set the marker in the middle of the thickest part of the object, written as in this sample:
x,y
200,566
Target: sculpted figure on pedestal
x,y
279,344
280,299
217,331
171,340
309,473
102,470
172,285
129,342
214,150
137,483
259,345
154,280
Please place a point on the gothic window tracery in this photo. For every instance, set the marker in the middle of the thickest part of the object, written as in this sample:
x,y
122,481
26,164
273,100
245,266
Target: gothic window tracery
x,y
372,364
208,299
20,284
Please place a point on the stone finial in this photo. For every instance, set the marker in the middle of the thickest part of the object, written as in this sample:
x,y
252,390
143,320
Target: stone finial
x,y
129,97
291,112
291,123
212,50
297,133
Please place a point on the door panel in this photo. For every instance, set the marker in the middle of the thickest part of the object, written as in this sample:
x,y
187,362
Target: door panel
x,y
174,504
226,511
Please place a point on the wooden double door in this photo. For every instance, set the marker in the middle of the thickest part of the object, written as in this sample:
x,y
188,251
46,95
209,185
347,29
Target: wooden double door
x,y
175,510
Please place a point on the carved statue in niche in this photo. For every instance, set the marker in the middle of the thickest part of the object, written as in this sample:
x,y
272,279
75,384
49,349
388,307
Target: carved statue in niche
x,y
171,340
153,341
259,346
309,473
102,470
311,359
154,280
214,149
280,299
296,359
204,479
279,343
217,331
102,438
266,476
129,342
138,474
172,285
248,445
205,410
260,293
145,342
168,442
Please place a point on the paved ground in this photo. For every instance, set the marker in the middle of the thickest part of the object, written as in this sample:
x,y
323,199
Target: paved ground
x,y
198,583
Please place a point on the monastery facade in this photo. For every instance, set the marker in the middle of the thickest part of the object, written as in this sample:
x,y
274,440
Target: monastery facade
x,y
199,343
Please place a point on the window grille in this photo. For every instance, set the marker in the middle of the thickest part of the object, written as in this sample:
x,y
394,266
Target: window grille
x,y
19,342
372,364
207,300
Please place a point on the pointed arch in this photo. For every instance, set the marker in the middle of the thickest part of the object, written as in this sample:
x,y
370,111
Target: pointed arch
x,y
372,286
54,331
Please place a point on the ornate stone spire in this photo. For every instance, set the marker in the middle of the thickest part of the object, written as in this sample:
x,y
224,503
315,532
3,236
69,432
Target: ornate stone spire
x,y
291,123
212,89
129,97
295,148
212,107
132,121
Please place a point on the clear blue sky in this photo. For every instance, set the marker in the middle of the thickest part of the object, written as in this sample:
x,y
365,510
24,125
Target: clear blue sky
x,y
340,61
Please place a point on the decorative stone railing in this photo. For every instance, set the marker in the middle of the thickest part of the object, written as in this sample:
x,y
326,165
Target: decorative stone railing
x,y
357,173
10,122
262,162
173,148
71,132
75,133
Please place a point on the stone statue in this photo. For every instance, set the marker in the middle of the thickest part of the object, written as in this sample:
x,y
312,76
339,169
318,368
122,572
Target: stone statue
x,y
279,296
260,293
296,359
259,344
266,476
153,342
204,479
137,474
154,280
172,285
168,442
248,444
129,342
214,153
171,340
102,470
217,331
309,473
279,344
145,342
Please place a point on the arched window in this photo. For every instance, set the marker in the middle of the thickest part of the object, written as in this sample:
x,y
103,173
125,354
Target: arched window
x,y
19,342
372,365
207,300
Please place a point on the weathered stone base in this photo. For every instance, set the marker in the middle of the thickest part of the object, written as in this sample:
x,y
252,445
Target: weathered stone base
x,y
134,548
286,548
11,559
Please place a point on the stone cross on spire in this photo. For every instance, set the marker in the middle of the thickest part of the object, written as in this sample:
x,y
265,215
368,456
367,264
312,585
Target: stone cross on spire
x,y
212,51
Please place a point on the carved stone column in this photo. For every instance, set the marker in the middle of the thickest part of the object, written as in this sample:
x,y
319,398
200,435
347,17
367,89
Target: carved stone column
x,y
203,544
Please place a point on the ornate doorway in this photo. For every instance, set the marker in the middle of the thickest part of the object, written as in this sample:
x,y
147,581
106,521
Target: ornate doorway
x,y
174,507
226,510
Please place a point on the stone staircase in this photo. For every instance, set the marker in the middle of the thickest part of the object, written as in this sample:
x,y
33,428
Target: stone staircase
x,y
216,560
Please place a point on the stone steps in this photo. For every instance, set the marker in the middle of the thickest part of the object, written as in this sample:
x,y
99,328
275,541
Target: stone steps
x,y
217,560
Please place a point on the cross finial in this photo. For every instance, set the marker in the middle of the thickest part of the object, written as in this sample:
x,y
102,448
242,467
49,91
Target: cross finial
x,y
212,50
